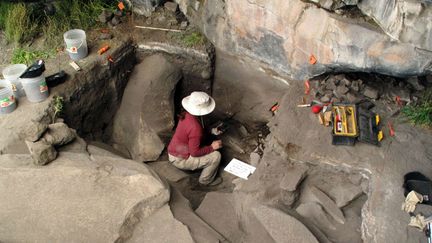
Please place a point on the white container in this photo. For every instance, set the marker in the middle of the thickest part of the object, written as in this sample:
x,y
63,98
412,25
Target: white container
x,y
36,89
7,99
76,44
11,74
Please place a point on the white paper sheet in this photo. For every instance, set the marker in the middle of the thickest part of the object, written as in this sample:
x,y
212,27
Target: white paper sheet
x,y
240,169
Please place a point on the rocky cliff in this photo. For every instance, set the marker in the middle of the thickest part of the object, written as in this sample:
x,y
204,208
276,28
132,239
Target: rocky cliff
x,y
388,37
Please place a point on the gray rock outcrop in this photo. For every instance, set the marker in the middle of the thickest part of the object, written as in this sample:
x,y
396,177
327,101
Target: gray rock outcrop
x,y
144,7
147,109
75,199
406,21
284,35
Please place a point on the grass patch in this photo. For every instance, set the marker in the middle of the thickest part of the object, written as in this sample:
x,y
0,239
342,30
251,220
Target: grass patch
x,y
27,57
193,39
19,27
21,21
421,113
73,14
190,38
4,10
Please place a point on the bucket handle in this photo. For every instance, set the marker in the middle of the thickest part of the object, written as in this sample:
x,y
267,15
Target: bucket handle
x,y
76,48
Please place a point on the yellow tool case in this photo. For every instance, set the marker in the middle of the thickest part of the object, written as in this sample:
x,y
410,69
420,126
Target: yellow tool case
x,y
345,120
351,124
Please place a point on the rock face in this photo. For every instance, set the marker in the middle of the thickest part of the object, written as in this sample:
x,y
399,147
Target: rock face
x,y
147,109
75,199
406,21
284,34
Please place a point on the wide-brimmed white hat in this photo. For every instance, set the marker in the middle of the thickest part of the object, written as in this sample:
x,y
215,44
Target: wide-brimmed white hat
x,y
199,103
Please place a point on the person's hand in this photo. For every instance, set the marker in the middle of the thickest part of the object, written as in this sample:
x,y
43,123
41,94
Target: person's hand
x,y
418,221
215,131
411,201
217,144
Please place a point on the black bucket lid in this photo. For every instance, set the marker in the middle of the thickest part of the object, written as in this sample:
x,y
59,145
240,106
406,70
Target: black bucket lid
x,y
35,70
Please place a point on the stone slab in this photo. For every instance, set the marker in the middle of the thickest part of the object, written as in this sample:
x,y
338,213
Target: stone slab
x,y
283,227
200,230
293,178
75,199
217,210
313,194
168,171
161,226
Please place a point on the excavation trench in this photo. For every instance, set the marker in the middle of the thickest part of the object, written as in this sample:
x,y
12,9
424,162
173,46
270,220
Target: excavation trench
x,y
148,97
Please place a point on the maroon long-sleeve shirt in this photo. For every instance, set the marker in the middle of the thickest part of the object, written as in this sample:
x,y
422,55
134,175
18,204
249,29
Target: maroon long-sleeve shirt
x,y
187,139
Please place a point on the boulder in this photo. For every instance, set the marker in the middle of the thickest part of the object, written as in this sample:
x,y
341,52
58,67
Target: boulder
x,y
281,226
146,112
75,199
144,7
171,6
355,86
33,132
41,152
371,92
58,134
341,90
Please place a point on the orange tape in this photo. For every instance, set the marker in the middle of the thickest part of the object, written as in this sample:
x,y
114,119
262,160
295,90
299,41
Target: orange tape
x,y
392,132
103,49
110,59
312,59
307,87
121,6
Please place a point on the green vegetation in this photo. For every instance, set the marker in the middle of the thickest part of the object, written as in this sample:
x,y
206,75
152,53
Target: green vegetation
x,y
58,106
21,55
18,25
190,38
73,14
193,39
4,9
421,113
21,22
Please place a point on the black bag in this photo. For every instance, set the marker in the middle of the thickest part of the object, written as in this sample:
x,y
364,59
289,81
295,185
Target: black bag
x,y
416,181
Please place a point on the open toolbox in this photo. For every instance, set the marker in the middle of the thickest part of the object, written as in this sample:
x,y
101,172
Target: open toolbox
x,y
351,124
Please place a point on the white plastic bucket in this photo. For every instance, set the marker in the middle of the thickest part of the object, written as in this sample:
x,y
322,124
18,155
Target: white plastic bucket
x,y
36,89
11,74
7,99
76,44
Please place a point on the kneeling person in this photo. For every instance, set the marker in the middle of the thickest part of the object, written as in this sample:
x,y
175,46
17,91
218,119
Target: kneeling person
x,y
185,150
